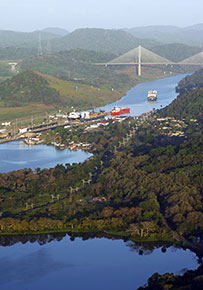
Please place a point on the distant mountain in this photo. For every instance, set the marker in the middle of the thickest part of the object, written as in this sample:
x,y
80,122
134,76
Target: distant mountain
x,y
195,59
176,51
24,39
113,41
195,27
56,30
8,53
192,35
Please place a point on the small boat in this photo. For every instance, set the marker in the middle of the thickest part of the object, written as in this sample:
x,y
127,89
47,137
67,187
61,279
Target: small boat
x,y
119,111
152,95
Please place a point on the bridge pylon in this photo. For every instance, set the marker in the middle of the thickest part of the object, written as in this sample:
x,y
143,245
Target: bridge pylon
x,y
139,60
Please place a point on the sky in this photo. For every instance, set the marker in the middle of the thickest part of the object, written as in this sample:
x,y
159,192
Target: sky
x,y
30,15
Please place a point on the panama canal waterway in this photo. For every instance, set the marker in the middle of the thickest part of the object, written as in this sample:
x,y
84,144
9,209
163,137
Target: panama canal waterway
x,y
16,155
93,264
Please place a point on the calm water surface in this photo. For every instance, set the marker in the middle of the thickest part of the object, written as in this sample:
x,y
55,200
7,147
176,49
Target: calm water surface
x,y
94,264
17,155
136,98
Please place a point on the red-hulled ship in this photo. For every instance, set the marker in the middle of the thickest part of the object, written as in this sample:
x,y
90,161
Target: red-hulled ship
x,y
119,111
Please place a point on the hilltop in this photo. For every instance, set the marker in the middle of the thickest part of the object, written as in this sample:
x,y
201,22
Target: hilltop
x,y
176,51
113,41
192,35
25,88
24,39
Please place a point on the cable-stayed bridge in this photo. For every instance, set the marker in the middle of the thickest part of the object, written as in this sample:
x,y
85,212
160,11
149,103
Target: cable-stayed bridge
x,y
141,56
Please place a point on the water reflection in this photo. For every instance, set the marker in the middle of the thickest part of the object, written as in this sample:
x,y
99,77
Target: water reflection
x,y
64,261
29,267
142,248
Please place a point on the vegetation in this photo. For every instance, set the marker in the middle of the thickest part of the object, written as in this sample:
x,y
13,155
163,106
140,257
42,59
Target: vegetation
x,y
9,53
113,41
187,106
150,189
190,280
30,87
191,82
24,39
78,65
176,51
27,87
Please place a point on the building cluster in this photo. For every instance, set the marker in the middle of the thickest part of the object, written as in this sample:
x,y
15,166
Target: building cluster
x,y
171,127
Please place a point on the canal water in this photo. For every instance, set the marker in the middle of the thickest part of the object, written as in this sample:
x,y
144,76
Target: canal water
x,y
93,264
136,98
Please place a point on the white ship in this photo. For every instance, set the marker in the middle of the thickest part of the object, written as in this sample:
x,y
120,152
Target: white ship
x,y
74,116
152,95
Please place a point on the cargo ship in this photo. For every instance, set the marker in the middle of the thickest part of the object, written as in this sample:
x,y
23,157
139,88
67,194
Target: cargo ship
x,y
91,116
152,95
119,111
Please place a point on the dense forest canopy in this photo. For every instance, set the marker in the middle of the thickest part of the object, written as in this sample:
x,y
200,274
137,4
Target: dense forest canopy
x,y
191,82
27,87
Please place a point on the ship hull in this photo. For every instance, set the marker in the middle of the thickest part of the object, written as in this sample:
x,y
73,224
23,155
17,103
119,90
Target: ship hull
x,y
120,112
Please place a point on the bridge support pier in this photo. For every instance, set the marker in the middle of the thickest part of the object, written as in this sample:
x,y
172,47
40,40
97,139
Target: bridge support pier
x,y
139,61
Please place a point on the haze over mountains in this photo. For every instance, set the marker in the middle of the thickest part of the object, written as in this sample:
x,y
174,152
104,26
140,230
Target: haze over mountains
x,y
109,40
191,35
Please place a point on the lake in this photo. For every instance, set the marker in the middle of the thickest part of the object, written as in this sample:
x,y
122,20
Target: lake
x,y
93,264
17,155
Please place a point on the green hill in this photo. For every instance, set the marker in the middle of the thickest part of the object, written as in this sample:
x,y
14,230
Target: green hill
x,y
24,39
189,104
192,35
113,41
30,87
25,88
191,82
176,51
77,65
16,53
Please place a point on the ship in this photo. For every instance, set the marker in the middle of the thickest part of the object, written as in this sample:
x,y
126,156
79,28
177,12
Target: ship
x,y
119,111
73,116
152,95
91,116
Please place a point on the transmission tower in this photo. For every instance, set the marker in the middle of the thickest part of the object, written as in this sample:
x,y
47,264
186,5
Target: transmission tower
x,y
48,48
39,53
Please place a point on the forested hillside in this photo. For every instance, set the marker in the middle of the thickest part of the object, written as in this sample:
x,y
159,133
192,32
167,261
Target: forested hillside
x,y
176,51
113,41
79,65
188,106
27,87
32,87
191,82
